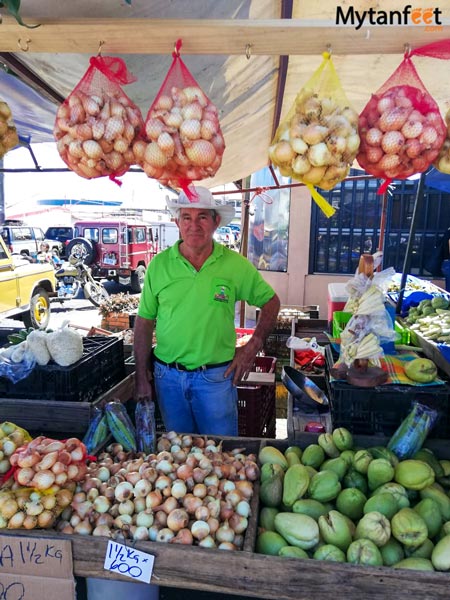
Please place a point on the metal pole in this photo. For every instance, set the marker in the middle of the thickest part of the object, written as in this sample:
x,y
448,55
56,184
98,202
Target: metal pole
x,y
245,218
412,232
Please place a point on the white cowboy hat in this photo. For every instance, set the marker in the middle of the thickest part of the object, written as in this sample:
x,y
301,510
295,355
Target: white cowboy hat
x,y
202,198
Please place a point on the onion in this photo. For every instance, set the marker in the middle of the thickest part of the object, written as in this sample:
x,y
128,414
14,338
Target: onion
x,y
184,536
201,153
200,529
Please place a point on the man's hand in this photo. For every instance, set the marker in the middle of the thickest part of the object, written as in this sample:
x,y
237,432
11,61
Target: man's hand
x,y
242,363
142,389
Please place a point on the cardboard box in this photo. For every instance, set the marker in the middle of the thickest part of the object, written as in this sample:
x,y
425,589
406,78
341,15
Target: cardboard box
x,y
36,568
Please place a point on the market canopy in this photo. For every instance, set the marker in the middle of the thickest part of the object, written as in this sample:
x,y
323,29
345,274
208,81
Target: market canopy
x,y
251,57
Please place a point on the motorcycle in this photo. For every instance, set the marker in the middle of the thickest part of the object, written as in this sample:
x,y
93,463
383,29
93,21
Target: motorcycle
x,y
72,275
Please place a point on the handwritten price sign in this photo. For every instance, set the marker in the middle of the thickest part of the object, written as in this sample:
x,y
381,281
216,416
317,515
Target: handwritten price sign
x,y
129,562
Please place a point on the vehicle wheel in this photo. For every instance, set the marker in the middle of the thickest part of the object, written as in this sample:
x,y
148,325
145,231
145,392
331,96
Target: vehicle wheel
x,y
95,292
39,314
82,248
137,280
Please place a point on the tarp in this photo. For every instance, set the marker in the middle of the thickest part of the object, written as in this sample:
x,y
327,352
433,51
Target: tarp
x,y
438,180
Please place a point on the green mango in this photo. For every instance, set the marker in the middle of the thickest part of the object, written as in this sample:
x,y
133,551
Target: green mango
x,y
386,504
440,498
310,507
268,469
334,529
375,527
350,502
342,438
398,491
271,491
267,518
292,458
299,530
392,552
353,479
329,552
269,542
379,471
338,465
313,456
295,484
427,455
324,486
270,454
295,449
414,474
292,552
440,556
429,510
416,564
361,461
425,550
326,442
364,552
409,528
348,455
383,452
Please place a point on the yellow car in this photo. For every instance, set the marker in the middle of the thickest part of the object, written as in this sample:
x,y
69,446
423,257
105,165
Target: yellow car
x,y
25,288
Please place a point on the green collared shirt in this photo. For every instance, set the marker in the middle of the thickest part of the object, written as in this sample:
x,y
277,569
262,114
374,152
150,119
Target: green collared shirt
x,y
195,310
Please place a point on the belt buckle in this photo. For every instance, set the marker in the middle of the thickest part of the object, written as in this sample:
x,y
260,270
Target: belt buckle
x,y
177,367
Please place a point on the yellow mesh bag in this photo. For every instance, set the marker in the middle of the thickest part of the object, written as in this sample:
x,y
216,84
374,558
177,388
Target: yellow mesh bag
x,y
318,140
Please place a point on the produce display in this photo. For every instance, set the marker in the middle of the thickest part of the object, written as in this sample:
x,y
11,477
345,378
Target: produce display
x,y
431,318
333,501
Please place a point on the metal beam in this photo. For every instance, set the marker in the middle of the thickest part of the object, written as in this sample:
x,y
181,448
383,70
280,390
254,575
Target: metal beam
x,y
282,37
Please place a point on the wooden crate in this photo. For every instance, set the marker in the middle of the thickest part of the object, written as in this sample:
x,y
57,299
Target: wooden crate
x,y
51,416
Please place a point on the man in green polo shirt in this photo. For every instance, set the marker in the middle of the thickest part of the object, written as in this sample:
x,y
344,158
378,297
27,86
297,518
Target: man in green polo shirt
x,y
190,293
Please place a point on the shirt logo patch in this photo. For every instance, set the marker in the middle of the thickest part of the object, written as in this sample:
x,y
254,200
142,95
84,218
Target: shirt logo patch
x,y
221,294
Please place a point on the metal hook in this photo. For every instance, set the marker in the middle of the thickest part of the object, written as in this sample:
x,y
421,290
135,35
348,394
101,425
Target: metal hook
x,y
26,47
329,49
407,50
100,45
248,51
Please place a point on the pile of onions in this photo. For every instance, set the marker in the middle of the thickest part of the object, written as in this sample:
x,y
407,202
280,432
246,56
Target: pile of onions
x,y
11,438
401,133
318,143
8,134
189,492
44,463
183,138
25,508
442,163
95,133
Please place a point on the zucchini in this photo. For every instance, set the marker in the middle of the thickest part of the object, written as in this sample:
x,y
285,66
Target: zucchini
x,y
120,425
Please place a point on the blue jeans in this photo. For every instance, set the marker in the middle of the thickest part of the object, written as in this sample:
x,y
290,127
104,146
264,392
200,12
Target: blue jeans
x,y
202,402
446,272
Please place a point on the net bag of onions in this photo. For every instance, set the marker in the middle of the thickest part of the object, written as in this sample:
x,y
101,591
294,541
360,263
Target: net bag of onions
x,y
97,123
401,128
8,134
442,162
184,142
318,140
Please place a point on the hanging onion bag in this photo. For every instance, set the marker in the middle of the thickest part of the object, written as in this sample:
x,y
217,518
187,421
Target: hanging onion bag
x,y
184,142
318,140
401,128
97,123
8,134
442,163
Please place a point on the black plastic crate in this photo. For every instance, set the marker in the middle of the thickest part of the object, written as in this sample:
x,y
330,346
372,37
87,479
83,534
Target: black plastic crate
x,y
275,345
100,368
257,403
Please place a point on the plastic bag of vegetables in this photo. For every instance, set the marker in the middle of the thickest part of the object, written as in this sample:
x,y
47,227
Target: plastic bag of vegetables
x,y
401,128
318,140
97,124
184,142
8,134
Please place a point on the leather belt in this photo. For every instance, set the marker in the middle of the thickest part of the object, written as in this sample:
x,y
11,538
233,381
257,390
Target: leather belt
x,y
180,367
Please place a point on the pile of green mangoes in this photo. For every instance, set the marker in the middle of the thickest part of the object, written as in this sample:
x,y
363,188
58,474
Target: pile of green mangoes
x,y
431,319
334,501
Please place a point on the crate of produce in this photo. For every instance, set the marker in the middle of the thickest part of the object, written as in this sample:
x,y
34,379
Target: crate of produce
x,y
257,403
100,368
341,318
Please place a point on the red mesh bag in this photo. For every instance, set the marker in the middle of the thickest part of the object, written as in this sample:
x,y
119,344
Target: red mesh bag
x,y
184,142
401,128
97,123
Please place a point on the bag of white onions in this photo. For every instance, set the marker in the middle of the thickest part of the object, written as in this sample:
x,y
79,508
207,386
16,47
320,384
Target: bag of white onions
x,y
318,140
442,162
8,134
97,123
401,128
184,142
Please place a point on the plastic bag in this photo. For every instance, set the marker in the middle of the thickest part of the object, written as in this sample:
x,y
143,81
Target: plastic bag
x,y
318,140
413,430
185,142
8,134
401,128
16,371
97,124
145,426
